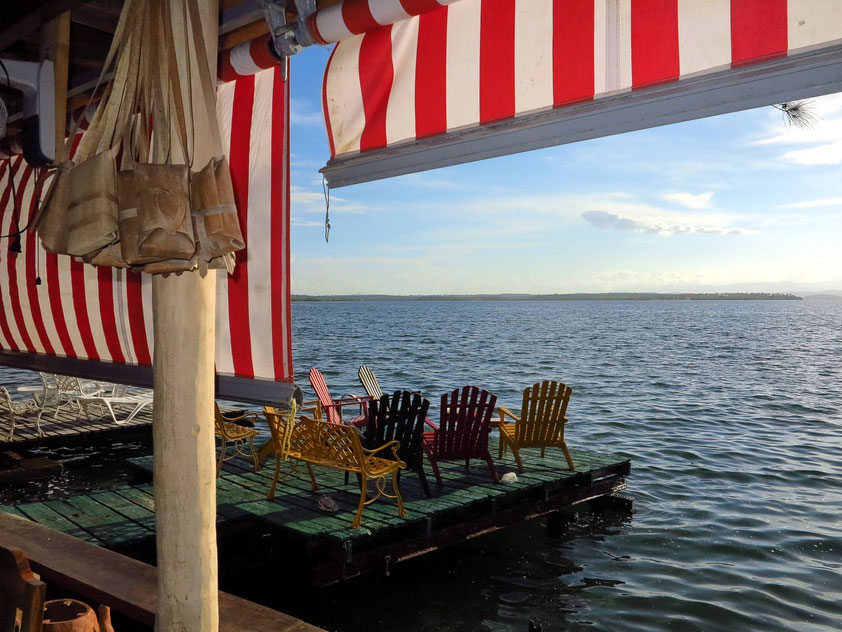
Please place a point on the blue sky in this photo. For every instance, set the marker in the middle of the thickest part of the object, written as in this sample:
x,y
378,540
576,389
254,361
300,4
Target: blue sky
x,y
733,203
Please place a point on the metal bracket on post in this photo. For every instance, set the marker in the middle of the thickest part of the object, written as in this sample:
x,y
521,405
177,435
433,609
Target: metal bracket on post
x,y
288,39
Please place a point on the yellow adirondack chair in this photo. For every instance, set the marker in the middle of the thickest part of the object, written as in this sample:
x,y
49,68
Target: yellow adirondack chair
x,y
541,421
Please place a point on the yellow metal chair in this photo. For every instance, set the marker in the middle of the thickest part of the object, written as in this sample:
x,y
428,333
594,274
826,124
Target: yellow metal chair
x,y
280,425
541,421
240,436
339,447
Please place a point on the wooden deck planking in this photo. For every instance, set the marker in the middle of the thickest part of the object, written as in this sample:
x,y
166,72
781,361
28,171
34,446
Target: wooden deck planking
x,y
126,585
70,425
122,517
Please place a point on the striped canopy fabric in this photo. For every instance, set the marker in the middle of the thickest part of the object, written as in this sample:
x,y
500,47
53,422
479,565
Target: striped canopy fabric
x,y
480,63
103,316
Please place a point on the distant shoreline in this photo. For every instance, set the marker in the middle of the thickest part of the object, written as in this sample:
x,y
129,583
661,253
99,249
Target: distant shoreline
x,y
606,296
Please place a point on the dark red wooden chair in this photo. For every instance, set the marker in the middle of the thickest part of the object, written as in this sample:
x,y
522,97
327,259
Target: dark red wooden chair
x,y
463,430
332,408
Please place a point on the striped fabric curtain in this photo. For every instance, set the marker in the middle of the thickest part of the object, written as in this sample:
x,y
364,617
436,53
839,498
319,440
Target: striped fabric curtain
x,y
480,62
105,314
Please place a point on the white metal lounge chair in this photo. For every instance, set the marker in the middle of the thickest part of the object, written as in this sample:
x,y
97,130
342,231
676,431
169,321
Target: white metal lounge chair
x,y
118,397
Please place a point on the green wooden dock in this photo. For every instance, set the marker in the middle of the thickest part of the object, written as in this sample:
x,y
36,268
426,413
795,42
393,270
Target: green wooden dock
x,y
253,530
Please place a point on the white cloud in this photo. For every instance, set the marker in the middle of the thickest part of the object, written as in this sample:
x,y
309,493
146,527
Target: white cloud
x,y
690,200
301,113
829,154
314,202
612,221
832,201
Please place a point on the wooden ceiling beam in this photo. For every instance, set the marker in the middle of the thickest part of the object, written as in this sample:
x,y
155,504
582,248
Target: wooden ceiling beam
x,y
96,18
32,21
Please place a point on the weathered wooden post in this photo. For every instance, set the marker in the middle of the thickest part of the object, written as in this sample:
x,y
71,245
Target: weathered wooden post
x,y
185,475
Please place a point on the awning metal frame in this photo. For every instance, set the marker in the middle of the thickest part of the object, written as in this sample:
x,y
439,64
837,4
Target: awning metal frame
x,y
800,76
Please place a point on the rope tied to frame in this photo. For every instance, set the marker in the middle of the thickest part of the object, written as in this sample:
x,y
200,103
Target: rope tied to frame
x,y
326,191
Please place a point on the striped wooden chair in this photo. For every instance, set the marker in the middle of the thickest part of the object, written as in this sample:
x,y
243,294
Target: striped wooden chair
x,y
541,421
331,408
370,383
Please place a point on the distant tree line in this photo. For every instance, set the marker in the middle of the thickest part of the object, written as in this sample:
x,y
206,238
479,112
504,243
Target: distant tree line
x,y
603,296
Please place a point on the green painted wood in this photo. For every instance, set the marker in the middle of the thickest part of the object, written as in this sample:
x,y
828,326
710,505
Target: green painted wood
x,y
125,513
13,510
47,516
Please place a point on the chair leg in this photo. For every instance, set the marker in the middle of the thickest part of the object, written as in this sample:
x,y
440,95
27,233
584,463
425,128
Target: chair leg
x,y
423,477
254,454
435,466
313,484
491,468
567,455
361,506
271,493
221,458
11,427
397,489
41,433
516,453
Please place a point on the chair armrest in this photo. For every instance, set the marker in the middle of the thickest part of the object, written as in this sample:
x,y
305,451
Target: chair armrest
x,y
313,407
246,414
352,400
430,423
505,412
393,445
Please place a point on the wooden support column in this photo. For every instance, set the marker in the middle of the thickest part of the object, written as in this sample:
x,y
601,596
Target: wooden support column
x,y
185,470
55,46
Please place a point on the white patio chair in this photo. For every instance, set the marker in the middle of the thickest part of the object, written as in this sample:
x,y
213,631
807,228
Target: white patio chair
x,y
16,408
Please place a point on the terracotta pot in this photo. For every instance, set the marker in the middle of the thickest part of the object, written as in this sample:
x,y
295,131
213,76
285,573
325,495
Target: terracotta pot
x,y
69,615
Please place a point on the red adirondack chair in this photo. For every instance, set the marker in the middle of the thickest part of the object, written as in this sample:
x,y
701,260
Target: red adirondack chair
x,y
332,408
463,429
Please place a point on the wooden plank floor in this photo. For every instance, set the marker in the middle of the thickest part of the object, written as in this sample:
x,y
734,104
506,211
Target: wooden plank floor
x,y
126,585
468,503
69,425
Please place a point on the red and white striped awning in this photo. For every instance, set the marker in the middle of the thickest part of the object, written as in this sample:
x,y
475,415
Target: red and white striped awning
x,y
478,65
99,319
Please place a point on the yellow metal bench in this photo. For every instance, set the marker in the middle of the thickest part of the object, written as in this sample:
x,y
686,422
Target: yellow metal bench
x,y
335,446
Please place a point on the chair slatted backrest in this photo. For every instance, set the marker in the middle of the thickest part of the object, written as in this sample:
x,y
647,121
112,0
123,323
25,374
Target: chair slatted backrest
x,y
280,425
20,590
5,398
465,422
401,420
327,443
69,385
542,414
369,382
317,381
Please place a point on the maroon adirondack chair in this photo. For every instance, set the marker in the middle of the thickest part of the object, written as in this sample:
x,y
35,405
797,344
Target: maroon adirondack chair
x,y
463,429
332,408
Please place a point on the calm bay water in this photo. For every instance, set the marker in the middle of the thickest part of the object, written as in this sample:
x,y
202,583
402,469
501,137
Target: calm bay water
x,y
730,411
